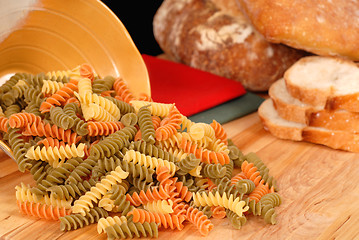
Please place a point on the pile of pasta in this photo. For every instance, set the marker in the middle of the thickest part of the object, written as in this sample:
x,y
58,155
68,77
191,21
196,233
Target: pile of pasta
x,y
100,155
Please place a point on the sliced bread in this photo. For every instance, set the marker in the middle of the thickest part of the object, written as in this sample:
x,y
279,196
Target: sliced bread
x,y
328,82
285,129
293,109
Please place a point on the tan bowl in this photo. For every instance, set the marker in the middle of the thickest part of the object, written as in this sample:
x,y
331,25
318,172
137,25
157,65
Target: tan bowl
x,y
46,35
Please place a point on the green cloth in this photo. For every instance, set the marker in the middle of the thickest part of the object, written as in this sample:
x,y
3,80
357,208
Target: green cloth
x,y
230,110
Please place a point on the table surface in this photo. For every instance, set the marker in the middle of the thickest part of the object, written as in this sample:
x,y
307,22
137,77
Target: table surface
x,y
318,185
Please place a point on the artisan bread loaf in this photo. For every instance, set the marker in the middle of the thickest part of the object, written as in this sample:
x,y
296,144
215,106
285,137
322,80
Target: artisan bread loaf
x,y
284,129
292,109
327,82
215,36
328,28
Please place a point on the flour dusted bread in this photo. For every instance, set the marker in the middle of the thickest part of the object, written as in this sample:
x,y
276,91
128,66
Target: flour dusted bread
x,y
292,109
215,36
284,129
328,28
327,82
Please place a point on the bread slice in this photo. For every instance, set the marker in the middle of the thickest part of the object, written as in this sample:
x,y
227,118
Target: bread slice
x,y
285,129
327,82
295,110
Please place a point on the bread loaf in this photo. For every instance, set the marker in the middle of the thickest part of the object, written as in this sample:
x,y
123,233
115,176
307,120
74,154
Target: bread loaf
x,y
215,36
328,28
326,82
292,109
283,129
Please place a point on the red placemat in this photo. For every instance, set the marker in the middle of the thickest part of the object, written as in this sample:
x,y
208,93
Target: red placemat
x,y
192,90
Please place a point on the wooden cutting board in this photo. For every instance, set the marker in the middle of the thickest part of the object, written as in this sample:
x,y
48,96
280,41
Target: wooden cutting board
x,y
319,187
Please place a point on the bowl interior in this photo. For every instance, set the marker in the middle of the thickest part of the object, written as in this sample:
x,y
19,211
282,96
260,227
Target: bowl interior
x,y
46,35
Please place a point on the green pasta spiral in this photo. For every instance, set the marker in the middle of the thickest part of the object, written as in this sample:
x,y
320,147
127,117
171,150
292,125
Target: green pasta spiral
x,y
187,164
146,125
213,170
67,191
101,85
262,168
113,143
60,118
131,230
123,106
79,126
236,221
17,145
75,221
152,150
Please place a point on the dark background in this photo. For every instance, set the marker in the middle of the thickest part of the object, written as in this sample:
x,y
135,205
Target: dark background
x,y
137,16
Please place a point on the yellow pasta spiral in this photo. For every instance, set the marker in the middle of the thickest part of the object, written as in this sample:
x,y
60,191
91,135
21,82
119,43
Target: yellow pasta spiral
x,y
107,105
234,204
50,87
201,130
65,73
84,203
24,194
148,161
157,109
96,112
159,206
54,154
103,223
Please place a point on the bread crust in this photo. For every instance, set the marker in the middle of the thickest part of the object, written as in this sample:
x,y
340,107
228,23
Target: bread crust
x,y
202,35
278,127
326,97
328,28
293,110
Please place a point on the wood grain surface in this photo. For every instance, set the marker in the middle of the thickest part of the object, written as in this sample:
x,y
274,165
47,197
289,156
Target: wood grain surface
x,y
318,185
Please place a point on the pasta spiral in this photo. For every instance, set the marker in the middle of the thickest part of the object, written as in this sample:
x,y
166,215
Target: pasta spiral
x,y
200,220
146,125
103,223
159,206
75,221
231,203
54,155
103,128
68,191
42,210
60,97
50,87
164,220
131,229
84,203
60,118
148,161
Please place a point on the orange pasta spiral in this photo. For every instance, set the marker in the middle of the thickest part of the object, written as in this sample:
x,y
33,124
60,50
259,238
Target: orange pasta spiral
x,y
206,156
3,123
20,120
170,128
122,90
103,128
87,71
260,191
219,131
218,212
200,220
165,220
51,142
60,97
41,129
251,172
237,177
42,210
145,197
